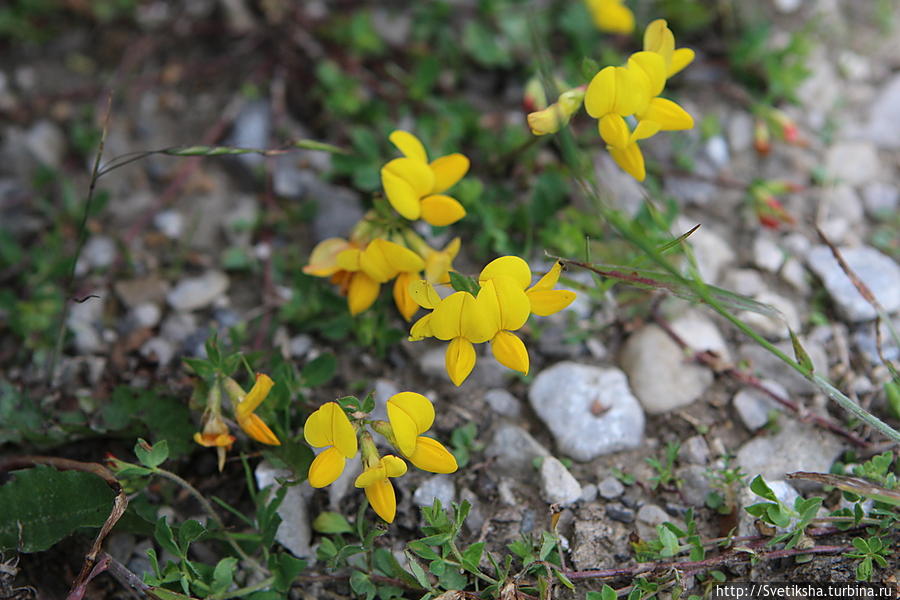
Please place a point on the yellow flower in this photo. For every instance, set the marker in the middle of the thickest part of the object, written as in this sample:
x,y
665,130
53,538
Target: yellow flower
x,y
414,186
438,263
617,90
504,282
329,427
611,15
411,415
555,116
461,319
216,435
379,490
245,405
659,38
380,262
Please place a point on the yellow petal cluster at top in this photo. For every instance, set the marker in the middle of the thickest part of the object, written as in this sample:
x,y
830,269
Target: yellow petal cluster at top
x,y
409,416
611,15
617,93
415,187
634,90
215,432
501,306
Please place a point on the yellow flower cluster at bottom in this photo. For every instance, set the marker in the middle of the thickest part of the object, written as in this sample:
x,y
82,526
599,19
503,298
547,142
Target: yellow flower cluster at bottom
x,y
410,415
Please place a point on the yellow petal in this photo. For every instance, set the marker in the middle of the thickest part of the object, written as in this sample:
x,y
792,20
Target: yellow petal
x,y
405,303
329,426
511,266
600,96
394,466
362,293
546,121
611,16
548,302
440,210
549,280
630,159
381,497
256,395
401,194
424,294
632,91
644,130
416,406
680,59
653,67
446,319
257,429
659,38
404,428
669,115
400,258
481,316
510,351
370,475
514,304
448,170
348,259
614,130
430,455
421,329
409,145
459,360
326,468
323,258
212,440
415,172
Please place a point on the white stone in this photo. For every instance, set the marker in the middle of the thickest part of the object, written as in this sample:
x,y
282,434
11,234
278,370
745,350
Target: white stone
x,y
170,223
192,293
438,487
754,406
884,115
771,326
795,447
589,410
294,531
717,151
503,403
853,162
877,271
700,333
558,486
514,450
766,254
662,375
146,314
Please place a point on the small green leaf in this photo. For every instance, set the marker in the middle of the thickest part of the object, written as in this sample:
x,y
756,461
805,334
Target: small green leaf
x,y
151,456
326,550
462,283
285,568
165,537
472,556
223,575
362,584
418,572
800,354
319,370
164,594
42,506
759,487
423,550
548,543
331,522
668,540
189,532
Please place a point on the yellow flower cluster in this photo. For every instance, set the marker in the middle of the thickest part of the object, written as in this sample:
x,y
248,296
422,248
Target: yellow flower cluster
x,y
611,15
410,415
501,305
215,432
630,91
380,249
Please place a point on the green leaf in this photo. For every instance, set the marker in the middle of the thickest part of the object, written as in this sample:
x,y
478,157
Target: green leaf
x,y
800,353
548,543
151,456
165,594
331,522
472,556
165,537
285,568
189,532
418,572
42,506
669,541
423,550
326,550
462,283
362,584
759,487
223,575
319,370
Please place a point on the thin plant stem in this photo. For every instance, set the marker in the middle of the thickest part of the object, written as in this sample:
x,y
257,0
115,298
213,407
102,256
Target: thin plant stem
x,y
208,508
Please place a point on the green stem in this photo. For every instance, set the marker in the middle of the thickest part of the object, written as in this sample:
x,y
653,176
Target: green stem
x,y
476,572
260,585
208,508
